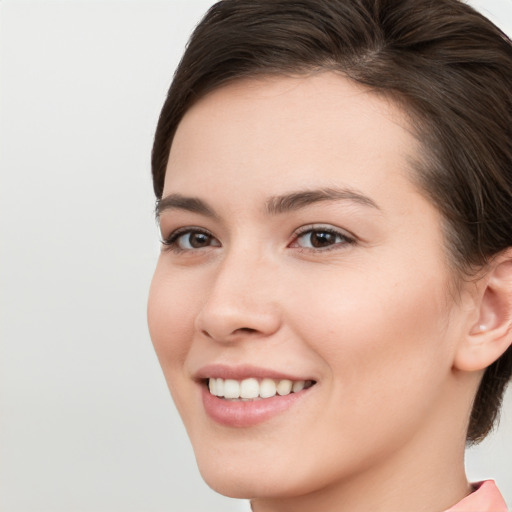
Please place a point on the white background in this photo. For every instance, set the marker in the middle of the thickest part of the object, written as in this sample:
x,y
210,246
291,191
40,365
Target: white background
x,y
86,421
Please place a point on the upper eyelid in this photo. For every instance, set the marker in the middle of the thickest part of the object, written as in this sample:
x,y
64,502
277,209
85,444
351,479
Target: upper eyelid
x,y
325,227
186,229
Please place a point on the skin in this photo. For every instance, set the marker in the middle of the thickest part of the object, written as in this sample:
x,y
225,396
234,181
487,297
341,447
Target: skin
x,y
373,320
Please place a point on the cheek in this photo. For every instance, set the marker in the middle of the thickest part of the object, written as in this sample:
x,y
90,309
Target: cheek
x,y
171,315
383,339
170,318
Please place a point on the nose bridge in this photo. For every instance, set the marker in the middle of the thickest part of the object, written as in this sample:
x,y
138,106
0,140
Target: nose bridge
x,y
240,299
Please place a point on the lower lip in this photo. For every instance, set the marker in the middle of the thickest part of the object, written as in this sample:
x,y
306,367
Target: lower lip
x,y
233,413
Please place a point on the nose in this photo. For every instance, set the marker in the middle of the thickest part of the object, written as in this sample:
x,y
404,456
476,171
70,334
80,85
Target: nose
x,y
240,301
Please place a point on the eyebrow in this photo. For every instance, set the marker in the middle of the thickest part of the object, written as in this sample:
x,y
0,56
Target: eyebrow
x,y
274,205
301,199
179,202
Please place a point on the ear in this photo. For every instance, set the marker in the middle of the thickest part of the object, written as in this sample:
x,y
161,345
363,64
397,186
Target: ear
x,y
490,335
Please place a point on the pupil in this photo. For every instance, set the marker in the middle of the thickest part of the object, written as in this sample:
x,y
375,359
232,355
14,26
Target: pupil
x,y
322,238
198,240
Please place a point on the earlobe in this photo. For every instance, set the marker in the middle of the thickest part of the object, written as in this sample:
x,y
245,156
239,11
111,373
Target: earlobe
x,y
490,336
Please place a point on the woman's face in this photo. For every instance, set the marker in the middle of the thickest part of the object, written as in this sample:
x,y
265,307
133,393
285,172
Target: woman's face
x,y
298,249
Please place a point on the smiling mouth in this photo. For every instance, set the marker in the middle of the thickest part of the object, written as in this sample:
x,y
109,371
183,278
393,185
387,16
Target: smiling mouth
x,y
254,389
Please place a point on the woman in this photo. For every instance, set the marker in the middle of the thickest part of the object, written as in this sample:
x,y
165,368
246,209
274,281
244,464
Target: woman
x,y
331,307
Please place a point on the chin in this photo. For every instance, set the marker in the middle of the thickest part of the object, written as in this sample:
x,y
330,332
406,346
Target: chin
x,y
249,484
238,485
245,476
264,473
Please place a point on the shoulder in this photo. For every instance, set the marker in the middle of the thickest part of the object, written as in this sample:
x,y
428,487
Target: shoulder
x,y
485,498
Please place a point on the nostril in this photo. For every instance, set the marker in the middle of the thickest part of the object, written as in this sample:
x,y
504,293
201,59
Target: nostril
x,y
245,329
235,335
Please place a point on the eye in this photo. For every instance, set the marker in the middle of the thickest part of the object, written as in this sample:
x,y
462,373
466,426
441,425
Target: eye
x,y
321,238
190,239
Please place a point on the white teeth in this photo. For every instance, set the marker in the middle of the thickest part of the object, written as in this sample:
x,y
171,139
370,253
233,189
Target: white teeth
x,y
219,387
284,387
249,389
267,388
298,386
231,388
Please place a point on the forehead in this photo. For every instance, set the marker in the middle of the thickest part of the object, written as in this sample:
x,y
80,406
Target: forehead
x,y
284,128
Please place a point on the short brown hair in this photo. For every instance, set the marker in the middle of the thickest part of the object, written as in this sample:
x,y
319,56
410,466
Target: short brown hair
x,y
447,65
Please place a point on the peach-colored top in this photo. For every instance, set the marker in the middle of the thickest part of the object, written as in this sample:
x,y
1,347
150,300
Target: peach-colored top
x,y
485,498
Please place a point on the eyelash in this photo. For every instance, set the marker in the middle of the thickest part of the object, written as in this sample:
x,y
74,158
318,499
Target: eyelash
x,y
171,242
346,239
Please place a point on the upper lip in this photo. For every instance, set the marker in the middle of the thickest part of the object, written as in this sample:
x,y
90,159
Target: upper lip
x,y
240,372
